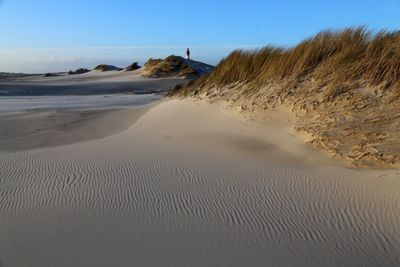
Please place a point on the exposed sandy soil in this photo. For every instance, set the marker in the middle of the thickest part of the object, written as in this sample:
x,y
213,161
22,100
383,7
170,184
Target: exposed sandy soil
x,y
193,184
359,126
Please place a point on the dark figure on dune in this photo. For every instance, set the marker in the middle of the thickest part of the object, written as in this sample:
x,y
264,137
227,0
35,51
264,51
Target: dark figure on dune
x,y
187,54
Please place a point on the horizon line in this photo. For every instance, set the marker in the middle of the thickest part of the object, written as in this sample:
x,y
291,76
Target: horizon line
x,y
133,47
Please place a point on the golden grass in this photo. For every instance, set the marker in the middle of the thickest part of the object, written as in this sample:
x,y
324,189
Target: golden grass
x,y
336,60
343,88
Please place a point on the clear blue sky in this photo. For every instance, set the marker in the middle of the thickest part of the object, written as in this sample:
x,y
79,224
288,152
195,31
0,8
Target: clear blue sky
x,y
46,35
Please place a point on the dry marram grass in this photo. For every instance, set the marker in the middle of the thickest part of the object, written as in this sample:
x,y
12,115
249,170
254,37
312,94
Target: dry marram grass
x,y
342,85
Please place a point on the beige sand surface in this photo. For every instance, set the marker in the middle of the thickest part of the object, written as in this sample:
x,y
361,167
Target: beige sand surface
x,y
28,130
360,126
190,184
91,83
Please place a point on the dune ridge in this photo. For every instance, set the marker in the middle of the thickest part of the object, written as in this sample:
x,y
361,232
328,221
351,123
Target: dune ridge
x,y
343,86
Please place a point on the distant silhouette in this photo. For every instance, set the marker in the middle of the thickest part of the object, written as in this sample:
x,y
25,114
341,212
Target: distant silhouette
x,y
187,54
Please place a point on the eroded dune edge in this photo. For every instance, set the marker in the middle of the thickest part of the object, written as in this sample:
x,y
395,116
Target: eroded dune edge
x,y
343,88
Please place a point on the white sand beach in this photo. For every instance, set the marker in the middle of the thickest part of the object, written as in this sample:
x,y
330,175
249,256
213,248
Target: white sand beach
x,y
191,184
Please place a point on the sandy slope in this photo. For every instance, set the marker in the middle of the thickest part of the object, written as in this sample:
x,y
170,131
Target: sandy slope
x,y
358,126
44,128
191,185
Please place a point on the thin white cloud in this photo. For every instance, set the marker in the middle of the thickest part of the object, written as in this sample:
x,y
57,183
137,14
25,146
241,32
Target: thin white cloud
x,y
56,59
222,46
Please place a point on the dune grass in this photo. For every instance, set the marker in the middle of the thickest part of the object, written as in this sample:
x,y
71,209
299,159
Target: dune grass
x,y
333,59
170,66
342,86
104,67
134,66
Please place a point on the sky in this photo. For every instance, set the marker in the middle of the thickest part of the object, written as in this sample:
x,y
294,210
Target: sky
x,y
58,35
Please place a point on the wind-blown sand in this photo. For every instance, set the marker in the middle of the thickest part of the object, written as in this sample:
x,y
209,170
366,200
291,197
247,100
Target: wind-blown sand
x,y
192,185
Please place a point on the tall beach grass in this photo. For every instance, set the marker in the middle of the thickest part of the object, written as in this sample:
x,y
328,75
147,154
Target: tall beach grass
x,y
335,60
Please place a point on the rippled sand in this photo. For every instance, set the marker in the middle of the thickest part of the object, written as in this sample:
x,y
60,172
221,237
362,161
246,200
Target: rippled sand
x,y
191,185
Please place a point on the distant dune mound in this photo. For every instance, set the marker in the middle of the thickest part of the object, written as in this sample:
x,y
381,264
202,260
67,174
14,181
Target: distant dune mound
x,y
175,66
16,76
78,71
6,75
133,66
104,67
51,74
343,86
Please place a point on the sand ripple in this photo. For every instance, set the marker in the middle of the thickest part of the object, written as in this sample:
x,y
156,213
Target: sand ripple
x,y
322,217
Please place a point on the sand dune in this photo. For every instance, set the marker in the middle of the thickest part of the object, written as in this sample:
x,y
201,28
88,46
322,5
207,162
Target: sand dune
x,y
175,66
343,87
193,185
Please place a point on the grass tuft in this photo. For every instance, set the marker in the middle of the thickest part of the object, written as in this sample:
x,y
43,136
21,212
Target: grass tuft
x,y
330,58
